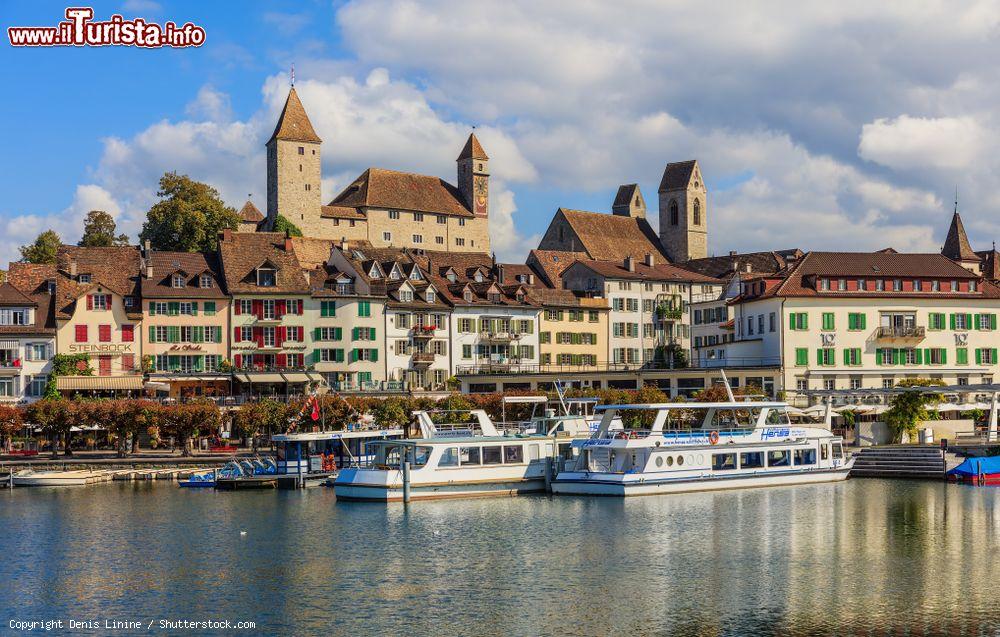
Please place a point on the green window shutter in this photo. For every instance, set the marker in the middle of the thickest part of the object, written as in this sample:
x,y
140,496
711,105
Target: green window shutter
x,y
374,355
791,320
819,357
152,308
338,333
338,355
993,321
173,362
828,321
152,334
209,308
804,321
194,308
975,322
951,321
968,321
864,320
847,356
175,333
322,308
174,308
199,363
316,332
218,333
315,356
371,333
944,356
979,356
961,356
897,357
994,354
852,321
922,355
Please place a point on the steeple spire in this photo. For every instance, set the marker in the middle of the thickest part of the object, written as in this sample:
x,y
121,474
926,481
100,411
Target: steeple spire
x,y
294,124
956,244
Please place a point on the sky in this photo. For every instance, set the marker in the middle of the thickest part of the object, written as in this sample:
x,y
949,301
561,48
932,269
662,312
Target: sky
x,y
818,125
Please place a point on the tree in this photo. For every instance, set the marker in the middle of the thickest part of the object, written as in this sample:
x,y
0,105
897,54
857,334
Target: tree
x,y
190,420
907,409
260,417
281,224
188,217
45,415
11,422
391,413
44,248
99,231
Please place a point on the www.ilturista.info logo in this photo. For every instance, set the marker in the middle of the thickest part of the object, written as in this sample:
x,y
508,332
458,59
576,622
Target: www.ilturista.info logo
x,y
79,29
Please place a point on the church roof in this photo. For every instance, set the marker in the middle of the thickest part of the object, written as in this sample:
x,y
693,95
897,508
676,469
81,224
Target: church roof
x,y
381,188
956,244
250,214
550,264
746,263
294,124
473,150
612,237
991,264
625,196
677,175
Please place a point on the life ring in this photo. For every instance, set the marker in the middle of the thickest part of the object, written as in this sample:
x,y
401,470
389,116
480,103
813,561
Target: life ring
x,y
713,438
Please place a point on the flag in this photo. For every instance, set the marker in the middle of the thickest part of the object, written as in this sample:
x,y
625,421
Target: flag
x,y
315,409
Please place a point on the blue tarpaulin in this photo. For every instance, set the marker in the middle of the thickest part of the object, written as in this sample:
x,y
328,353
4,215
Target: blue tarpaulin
x,y
975,466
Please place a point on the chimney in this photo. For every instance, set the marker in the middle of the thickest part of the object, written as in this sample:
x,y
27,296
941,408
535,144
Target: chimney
x,y
288,243
343,244
227,234
72,268
630,264
732,253
748,267
531,279
148,246
649,259
500,274
149,267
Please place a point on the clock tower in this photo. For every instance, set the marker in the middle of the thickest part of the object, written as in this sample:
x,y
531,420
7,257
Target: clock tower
x,y
474,177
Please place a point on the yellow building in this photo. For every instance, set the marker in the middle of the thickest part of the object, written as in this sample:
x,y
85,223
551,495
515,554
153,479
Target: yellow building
x,y
572,330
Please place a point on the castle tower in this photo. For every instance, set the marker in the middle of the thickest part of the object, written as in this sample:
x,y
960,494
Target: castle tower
x,y
474,177
683,212
957,248
629,202
293,169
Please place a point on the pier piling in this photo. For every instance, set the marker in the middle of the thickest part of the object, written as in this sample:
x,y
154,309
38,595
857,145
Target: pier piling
x,y
406,482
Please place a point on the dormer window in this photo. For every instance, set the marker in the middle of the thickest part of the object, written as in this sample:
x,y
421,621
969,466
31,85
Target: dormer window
x,y
430,296
84,278
267,277
824,284
479,276
205,281
452,277
374,274
406,296
494,297
520,297
394,273
177,281
522,278
972,286
415,275
467,296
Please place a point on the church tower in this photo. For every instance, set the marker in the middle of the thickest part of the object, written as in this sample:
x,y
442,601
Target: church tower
x,y
293,169
474,177
683,212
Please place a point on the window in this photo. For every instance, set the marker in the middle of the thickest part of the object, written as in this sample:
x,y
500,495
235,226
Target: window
x,y
880,285
387,237
593,316
723,461
266,277
83,278
513,454
771,321
439,240
798,321
852,356
986,321
268,309
302,150
418,216
805,456
856,321
36,388
752,460
917,285
81,333
674,214
13,317
327,309
38,352
459,241
394,214
128,333
828,321
697,212
101,301
779,458
986,356
801,356
960,321
492,454
187,308
449,457
364,308
825,356
935,286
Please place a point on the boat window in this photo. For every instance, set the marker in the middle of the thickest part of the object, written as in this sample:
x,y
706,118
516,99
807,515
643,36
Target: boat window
x,y
513,454
492,455
777,417
752,460
548,450
469,455
723,461
838,451
680,460
565,450
779,458
824,451
726,419
532,452
670,461
393,456
449,457
805,456
659,461
420,456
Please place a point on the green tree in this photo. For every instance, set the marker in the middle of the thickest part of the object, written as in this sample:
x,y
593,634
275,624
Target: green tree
x,y
45,414
99,231
11,421
907,409
391,413
190,420
264,416
188,217
44,248
281,224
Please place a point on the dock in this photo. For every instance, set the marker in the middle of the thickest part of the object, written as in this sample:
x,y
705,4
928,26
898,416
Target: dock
x,y
901,461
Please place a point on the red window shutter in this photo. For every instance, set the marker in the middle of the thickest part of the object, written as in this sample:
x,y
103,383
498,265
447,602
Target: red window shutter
x,y
104,365
282,334
238,360
81,333
258,359
281,359
258,308
128,333
90,301
298,307
104,333
258,336
237,308
280,307
236,335
128,362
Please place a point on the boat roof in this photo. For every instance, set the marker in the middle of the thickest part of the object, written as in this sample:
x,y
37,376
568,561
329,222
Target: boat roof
x,y
336,435
725,405
467,440
514,400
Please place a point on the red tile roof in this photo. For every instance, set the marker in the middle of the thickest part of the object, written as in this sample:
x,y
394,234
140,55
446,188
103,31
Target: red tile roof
x,y
473,150
189,264
294,124
250,214
243,252
612,237
381,188
643,272
112,268
549,264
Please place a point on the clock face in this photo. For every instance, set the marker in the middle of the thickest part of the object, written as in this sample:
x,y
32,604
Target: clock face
x,y
481,188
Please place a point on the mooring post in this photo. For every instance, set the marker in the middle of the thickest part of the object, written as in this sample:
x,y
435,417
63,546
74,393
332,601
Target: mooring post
x,y
406,482
548,474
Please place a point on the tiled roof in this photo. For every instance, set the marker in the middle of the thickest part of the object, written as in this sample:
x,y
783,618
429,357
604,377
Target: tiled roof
x,y
250,214
554,297
32,280
624,197
677,175
956,244
990,264
381,188
472,150
759,262
243,252
294,124
311,252
612,237
189,264
549,264
340,212
10,295
643,272
112,268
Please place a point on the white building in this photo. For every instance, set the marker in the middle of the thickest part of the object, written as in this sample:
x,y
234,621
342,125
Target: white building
x,y
27,333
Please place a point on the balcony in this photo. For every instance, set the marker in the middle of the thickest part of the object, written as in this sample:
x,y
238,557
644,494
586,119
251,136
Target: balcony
x,y
422,359
10,364
425,332
666,313
900,332
498,337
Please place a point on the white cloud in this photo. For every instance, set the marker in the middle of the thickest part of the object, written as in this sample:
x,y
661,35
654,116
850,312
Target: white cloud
x,y
210,104
907,142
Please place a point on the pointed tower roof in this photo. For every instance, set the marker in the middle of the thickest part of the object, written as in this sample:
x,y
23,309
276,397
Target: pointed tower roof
x,y
472,149
250,214
956,245
677,175
294,124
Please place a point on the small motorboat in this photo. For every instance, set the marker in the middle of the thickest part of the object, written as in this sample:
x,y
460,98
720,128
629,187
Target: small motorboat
x,y
978,471
32,478
199,480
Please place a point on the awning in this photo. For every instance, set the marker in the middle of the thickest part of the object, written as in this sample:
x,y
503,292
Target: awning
x,y
114,383
297,377
264,378
9,344
316,377
185,379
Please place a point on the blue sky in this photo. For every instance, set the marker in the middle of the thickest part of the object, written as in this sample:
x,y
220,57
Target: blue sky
x,y
826,128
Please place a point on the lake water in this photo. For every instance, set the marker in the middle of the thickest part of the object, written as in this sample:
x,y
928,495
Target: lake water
x,y
862,557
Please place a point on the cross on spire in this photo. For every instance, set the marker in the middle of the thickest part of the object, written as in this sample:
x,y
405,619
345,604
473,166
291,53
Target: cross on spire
x,y
293,73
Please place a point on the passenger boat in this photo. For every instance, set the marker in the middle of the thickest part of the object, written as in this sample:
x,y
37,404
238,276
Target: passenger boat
x,y
460,460
702,447
314,456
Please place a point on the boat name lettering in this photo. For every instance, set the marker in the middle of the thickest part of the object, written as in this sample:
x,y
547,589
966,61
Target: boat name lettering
x,y
775,432
595,443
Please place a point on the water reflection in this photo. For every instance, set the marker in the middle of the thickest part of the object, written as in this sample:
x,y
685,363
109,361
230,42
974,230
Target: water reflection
x,y
862,557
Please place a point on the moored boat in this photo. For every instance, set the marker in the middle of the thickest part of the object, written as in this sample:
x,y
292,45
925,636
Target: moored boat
x,y
702,447
32,478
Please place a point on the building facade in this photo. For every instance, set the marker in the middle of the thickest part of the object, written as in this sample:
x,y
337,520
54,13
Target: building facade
x,y
27,332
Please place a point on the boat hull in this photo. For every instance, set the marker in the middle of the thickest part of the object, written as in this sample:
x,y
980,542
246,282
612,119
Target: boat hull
x,y
50,481
592,484
394,493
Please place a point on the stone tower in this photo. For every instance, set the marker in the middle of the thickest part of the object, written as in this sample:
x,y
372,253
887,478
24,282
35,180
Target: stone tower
x,y
293,169
474,177
683,212
629,202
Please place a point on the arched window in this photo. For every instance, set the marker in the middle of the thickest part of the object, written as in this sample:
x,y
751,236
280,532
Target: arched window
x,y
697,212
674,214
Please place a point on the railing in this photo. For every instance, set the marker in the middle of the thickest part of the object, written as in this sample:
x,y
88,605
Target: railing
x,y
499,337
423,358
668,314
894,331
10,363
559,368
426,331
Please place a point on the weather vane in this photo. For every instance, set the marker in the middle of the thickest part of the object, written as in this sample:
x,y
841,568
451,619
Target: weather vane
x,y
293,74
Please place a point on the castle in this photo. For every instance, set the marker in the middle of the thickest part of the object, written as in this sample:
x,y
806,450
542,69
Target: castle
x,y
386,208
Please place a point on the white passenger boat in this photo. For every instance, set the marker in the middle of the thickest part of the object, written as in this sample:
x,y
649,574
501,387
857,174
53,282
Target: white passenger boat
x,y
701,447
316,455
32,478
460,460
